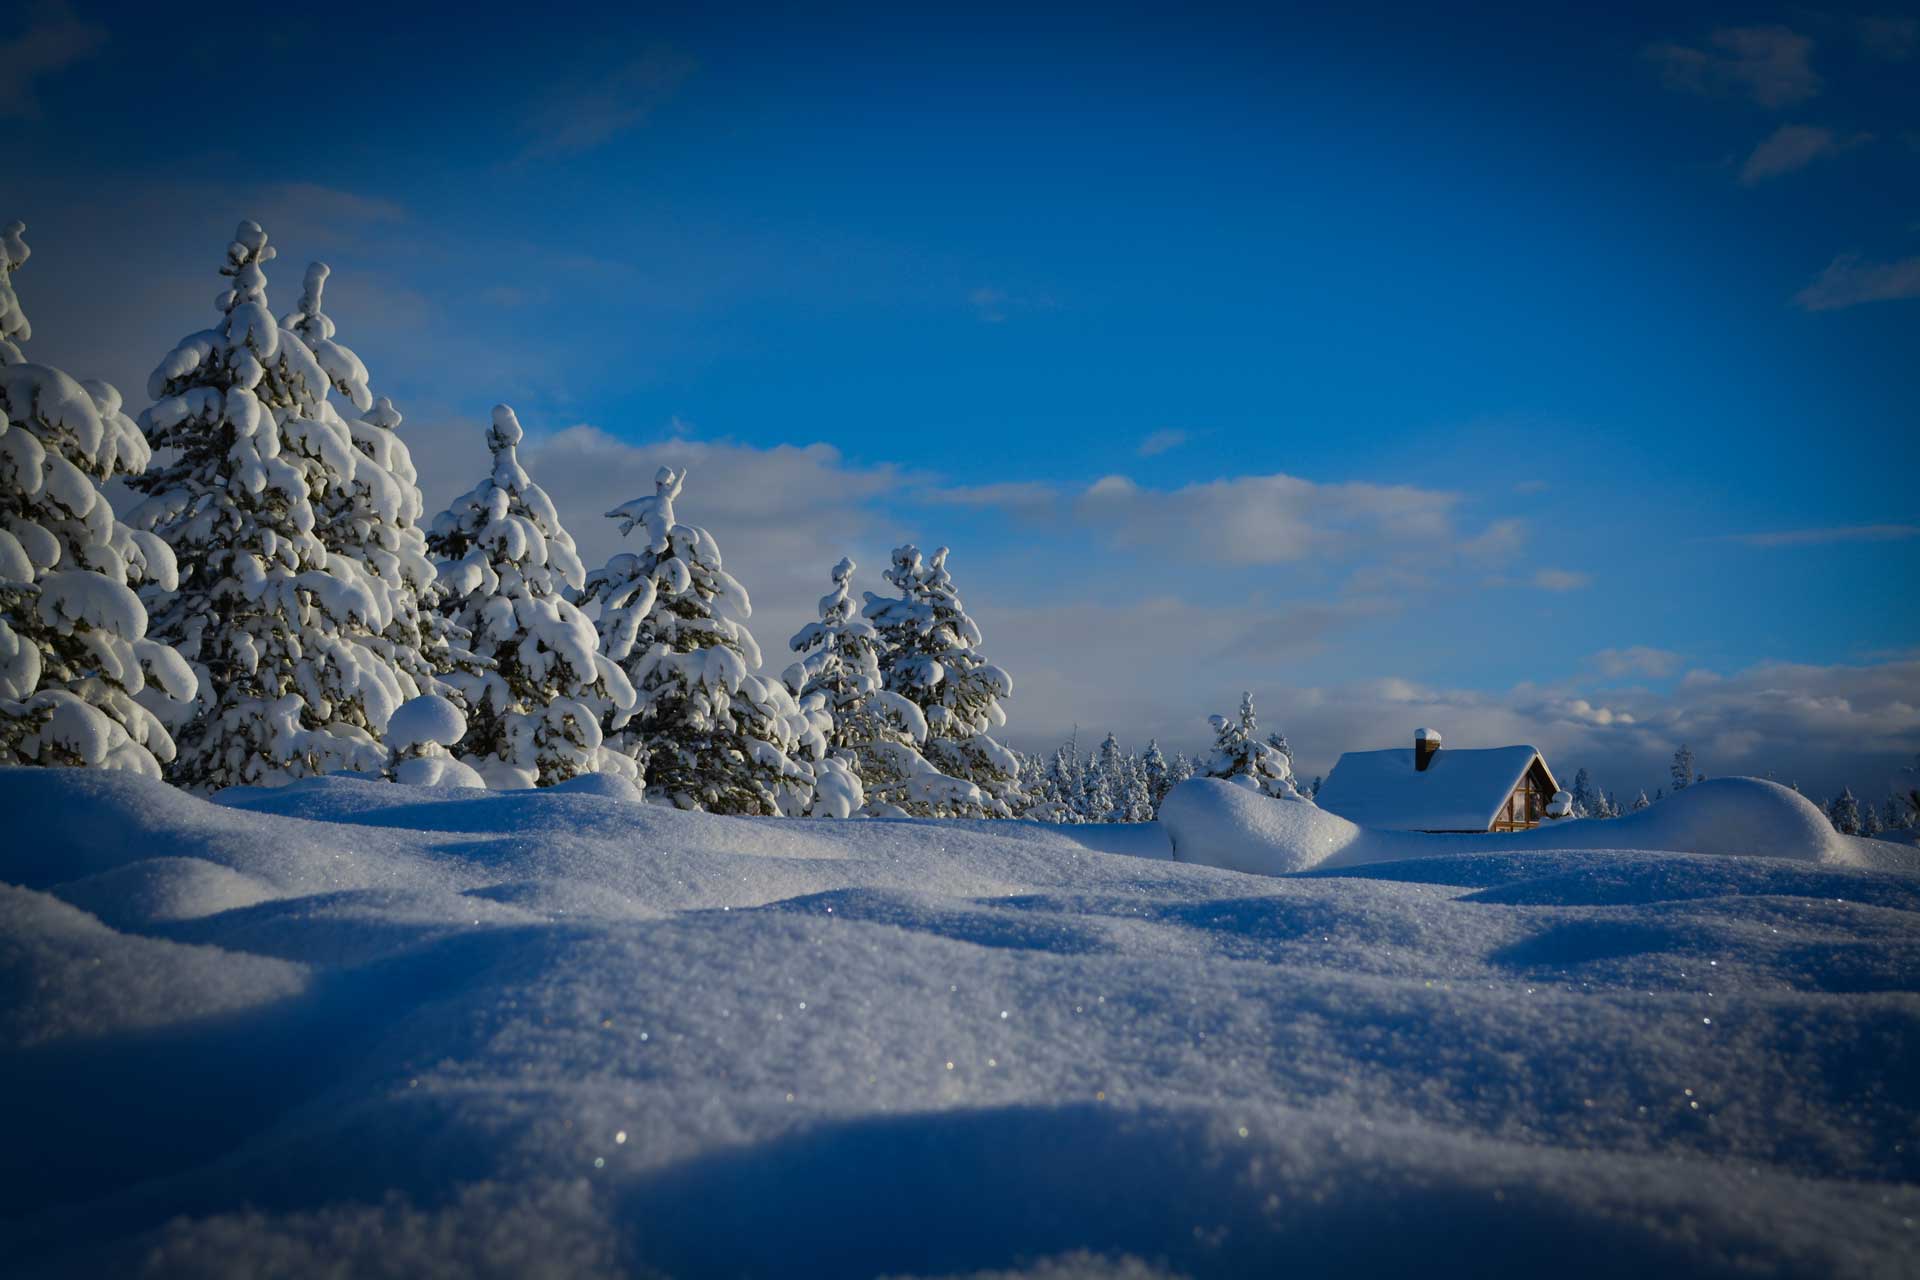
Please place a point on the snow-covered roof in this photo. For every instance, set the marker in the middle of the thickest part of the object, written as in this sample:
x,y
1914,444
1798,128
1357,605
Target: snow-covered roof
x,y
1457,791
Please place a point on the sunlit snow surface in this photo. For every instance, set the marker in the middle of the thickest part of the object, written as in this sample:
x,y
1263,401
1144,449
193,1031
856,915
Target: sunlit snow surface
x,y
352,1028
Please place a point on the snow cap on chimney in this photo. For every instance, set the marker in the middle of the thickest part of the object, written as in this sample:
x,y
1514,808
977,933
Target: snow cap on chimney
x,y
1426,745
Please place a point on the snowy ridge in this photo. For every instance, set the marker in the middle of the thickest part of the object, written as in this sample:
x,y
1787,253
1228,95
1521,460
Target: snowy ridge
x,y
348,1027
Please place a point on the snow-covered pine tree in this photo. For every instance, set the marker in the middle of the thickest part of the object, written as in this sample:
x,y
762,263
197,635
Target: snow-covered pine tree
x,y
1278,741
931,657
1067,776
1139,793
370,523
1870,823
1844,812
1895,814
1241,757
1682,768
1640,802
1103,782
714,734
1123,794
14,328
876,731
1587,800
1159,773
74,651
1045,784
534,716
267,622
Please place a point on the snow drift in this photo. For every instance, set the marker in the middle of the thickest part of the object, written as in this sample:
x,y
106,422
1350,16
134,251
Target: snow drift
x,y
1223,825
351,1027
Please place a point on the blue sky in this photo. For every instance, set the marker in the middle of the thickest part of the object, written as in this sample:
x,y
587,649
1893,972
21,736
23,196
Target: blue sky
x,y
1395,364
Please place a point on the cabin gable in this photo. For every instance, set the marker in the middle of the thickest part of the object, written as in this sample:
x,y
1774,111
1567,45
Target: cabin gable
x,y
1526,806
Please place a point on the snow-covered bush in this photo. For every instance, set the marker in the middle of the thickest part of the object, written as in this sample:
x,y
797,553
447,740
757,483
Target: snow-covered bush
x,y
1242,758
273,626
930,657
421,734
875,732
74,650
711,732
506,563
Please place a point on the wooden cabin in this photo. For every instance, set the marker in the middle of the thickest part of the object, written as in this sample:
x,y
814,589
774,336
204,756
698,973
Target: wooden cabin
x,y
1427,789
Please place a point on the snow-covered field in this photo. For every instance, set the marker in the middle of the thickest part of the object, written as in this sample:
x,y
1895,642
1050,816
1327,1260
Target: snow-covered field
x,y
353,1028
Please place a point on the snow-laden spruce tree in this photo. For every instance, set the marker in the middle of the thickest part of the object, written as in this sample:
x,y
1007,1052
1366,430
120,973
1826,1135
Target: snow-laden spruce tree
x,y
1159,774
1587,800
1051,786
506,565
1844,812
1640,801
1682,768
270,625
74,650
930,656
1241,757
369,518
876,731
712,733
14,328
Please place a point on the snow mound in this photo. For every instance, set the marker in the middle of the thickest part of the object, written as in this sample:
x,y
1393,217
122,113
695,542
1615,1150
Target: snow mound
x,y
611,786
165,889
469,1032
438,771
64,974
1217,824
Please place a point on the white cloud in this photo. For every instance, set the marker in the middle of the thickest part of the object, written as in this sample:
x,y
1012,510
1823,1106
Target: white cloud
x,y
1885,38
1637,659
587,114
994,305
1019,497
1850,280
55,41
1767,64
1560,579
1823,537
1792,147
1161,441
1497,541
1273,519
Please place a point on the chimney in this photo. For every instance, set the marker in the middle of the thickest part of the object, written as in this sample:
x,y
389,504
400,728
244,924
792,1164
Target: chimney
x,y
1426,745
